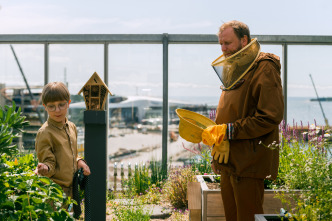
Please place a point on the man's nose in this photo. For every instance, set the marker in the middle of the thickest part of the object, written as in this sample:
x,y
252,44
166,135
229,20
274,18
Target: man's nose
x,y
223,48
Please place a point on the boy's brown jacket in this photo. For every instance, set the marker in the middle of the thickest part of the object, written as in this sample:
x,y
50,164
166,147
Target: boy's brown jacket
x,y
256,109
56,146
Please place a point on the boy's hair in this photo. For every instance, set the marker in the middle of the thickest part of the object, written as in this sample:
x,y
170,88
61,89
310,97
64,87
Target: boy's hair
x,y
55,91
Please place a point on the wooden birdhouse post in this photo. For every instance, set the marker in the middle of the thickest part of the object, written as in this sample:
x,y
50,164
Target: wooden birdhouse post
x,y
95,146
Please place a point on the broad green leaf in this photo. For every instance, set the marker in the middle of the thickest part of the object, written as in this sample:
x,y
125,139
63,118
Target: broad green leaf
x,y
36,200
8,205
45,180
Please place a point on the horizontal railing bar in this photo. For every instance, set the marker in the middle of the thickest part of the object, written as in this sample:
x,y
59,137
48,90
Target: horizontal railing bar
x,y
154,39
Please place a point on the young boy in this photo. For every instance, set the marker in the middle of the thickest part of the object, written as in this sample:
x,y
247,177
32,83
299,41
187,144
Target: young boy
x,y
56,141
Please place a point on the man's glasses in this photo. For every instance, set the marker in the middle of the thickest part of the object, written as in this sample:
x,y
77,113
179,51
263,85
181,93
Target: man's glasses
x,y
52,107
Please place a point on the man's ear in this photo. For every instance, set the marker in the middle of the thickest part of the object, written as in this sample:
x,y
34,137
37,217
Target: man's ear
x,y
69,102
244,41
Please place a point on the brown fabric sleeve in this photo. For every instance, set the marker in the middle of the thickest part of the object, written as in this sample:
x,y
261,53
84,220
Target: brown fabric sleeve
x,y
267,89
45,152
77,156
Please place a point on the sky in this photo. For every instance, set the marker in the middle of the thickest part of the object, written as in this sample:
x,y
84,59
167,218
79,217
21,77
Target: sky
x,y
137,69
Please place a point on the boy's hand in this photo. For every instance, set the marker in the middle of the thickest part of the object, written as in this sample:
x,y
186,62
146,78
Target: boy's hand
x,y
42,169
86,169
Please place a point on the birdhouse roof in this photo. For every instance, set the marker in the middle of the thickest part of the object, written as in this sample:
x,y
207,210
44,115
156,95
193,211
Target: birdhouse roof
x,y
95,80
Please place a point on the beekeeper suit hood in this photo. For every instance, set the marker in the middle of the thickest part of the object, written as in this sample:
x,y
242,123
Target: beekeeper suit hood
x,y
231,69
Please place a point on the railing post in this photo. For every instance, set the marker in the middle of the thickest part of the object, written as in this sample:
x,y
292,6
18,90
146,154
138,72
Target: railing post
x,y
284,85
46,70
165,104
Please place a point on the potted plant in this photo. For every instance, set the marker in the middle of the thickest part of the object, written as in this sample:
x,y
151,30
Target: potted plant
x,y
305,164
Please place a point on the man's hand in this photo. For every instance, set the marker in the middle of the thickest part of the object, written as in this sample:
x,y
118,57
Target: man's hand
x,y
214,169
214,134
86,169
41,169
221,152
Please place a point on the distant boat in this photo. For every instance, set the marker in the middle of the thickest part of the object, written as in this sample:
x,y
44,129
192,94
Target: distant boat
x,y
321,99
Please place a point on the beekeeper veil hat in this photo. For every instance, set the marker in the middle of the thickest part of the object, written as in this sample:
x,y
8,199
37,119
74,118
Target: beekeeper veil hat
x,y
231,69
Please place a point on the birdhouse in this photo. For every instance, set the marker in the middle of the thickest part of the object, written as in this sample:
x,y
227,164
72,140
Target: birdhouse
x,y
95,93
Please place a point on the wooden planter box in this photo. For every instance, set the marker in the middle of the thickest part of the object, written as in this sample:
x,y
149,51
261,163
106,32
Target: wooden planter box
x,y
206,204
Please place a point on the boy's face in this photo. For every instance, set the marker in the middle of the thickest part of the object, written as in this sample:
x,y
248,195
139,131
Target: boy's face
x,y
57,110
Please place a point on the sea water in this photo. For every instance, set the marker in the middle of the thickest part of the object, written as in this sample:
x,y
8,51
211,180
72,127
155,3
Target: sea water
x,y
299,109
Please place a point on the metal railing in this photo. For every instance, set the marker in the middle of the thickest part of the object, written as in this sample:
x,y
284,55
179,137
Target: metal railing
x,y
164,39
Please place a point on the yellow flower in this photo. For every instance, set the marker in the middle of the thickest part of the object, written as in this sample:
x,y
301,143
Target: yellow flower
x,y
15,163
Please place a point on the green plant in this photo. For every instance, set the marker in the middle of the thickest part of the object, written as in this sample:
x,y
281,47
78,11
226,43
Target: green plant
x,y
153,195
21,164
176,185
201,162
129,210
23,195
157,174
139,182
29,197
12,116
11,122
180,215
306,165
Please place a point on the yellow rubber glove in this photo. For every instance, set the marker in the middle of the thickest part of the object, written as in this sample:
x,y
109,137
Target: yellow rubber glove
x,y
214,135
221,152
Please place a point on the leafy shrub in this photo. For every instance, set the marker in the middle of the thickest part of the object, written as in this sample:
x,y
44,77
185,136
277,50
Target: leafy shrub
x,y
29,197
157,174
23,195
11,122
306,165
153,195
201,161
140,181
129,210
176,185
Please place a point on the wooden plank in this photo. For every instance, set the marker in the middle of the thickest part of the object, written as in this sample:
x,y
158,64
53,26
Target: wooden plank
x,y
215,206
216,219
194,195
195,215
212,204
271,205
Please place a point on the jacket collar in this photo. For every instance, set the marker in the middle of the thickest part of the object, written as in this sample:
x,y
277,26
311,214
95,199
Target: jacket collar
x,y
58,125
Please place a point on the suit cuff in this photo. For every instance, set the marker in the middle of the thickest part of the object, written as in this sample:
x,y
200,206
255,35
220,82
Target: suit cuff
x,y
51,170
230,131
